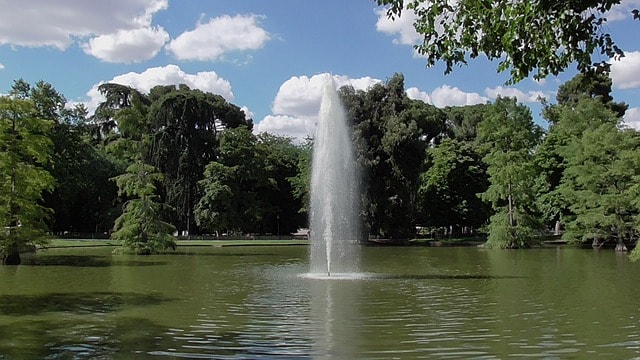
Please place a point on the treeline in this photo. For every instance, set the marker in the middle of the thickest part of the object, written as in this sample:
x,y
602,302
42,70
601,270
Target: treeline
x,y
177,160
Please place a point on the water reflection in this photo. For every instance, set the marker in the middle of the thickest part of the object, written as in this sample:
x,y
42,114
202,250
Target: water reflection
x,y
335,317
252,303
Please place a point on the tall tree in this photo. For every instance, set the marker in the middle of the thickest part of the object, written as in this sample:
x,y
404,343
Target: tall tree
x,y
545,36
279,157
140,227
231,199
583,102
462,121
509,138
185,125
83,199
448,194
391,133
25,149
599,184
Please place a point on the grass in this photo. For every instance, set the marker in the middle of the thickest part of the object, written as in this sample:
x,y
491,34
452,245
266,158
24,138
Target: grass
x,y
68,243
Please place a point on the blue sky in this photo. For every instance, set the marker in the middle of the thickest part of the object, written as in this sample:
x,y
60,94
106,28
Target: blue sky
x,y
264,56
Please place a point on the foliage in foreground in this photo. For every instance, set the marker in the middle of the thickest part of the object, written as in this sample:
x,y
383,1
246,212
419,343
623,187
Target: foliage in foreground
x,y
545,36
508,135
25,149
140,227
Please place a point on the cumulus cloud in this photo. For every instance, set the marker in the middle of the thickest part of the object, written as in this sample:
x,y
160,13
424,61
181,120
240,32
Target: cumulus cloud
x,y
1,66
247,113
626,71
127,46
445,95
301,96
298,128
211,40
60,22
632,118
297,103
401,26
530,96
622,11
416,94
207,81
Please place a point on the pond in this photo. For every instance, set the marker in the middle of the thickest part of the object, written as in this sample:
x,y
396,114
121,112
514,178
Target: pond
x,y
251,302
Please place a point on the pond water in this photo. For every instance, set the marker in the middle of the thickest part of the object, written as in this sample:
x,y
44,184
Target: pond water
x,y
252,302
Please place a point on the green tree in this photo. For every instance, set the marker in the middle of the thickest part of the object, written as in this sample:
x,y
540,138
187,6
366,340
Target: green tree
x,y
230,188
583,102
390,134
509,138
545,36
599,182
301,181
140,228
279,157
25,149
462,121
185,124
83,200
448,194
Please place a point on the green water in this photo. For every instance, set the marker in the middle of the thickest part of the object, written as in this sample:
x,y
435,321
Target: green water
x,y
251,302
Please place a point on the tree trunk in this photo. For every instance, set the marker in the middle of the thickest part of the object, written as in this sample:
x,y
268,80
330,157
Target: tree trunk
x,y
620,246
11,258
511,217
557,229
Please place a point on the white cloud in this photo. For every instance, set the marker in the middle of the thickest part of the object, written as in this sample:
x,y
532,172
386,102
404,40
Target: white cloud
x,y
1,66
57,23
626,71
416,94
402,26
621,11
301,96
247,113
126,46
298,128
632,118
445,95
211,40
207,81
297,103
530,96
541,82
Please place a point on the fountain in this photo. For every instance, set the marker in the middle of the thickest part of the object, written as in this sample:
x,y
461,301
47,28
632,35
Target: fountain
x,y
335,192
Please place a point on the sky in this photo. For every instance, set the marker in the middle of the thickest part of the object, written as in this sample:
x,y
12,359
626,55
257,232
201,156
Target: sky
x,y
267,57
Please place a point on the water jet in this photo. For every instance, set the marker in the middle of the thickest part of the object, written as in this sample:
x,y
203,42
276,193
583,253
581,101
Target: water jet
x,y
335,191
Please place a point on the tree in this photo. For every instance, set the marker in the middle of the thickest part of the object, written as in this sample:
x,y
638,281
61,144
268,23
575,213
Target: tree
x,y
231,199
83,199
279,157
448,194
301,181
509,137
462,121
599,182
175,129
184,127
140,227
25,149
545,36
583,102
390,133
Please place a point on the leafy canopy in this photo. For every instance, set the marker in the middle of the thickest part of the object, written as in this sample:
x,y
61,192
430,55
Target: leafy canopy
x,y
541,35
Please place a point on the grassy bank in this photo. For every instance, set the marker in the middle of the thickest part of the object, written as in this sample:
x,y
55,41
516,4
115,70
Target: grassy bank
x,y
69,243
